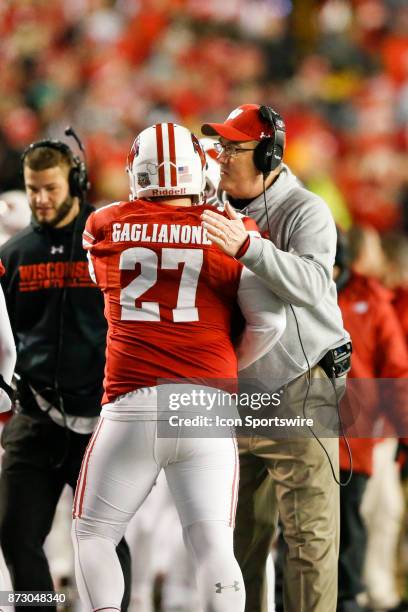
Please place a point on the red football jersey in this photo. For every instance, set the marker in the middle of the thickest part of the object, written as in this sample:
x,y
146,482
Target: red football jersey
x,y
169,295
2,269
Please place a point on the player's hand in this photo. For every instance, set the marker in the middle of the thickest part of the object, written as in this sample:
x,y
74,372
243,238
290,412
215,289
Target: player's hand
x,y
5,402
228,234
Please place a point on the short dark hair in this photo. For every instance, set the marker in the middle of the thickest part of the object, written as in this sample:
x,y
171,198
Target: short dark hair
x,y
42,158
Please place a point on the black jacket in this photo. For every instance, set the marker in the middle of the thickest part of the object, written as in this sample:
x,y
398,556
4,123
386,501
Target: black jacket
x,y
56,313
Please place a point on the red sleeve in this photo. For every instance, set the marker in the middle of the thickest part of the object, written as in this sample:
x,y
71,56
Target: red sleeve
x,y
252,228
250,225
243,248
392,355
2,268
89,234
401,306
392,364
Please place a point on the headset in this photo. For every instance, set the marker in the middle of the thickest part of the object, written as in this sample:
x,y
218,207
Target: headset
x,y
78,175
268,153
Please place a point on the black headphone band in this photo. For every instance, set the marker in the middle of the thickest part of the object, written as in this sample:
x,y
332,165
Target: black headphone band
x,y
269,152
50,144
78,176
274,118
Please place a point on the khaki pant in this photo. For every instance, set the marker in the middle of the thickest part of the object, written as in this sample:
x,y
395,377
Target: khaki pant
x,y
291,478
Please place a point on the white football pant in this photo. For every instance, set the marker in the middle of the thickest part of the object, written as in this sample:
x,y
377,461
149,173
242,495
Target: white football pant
x,y
119,469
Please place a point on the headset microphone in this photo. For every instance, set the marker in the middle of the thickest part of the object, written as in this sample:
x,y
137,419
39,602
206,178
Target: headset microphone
x,y
69,131
82,174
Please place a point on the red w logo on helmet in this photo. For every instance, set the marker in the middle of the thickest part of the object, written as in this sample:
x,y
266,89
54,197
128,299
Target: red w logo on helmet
x,y
200,150
134,151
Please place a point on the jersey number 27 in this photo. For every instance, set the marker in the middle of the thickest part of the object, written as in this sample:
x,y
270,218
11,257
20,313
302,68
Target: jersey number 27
x,y
185,309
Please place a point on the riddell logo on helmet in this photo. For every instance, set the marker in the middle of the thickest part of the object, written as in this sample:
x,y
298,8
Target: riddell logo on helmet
x,y
162,192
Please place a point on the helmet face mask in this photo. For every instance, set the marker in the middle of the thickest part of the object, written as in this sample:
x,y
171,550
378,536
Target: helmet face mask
x,y
212,171
166,160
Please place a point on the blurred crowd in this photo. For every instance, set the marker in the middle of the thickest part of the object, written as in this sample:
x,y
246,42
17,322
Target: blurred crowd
x,y
337,70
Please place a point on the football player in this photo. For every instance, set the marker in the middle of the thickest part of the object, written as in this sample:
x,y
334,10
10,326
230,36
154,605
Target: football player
x,y
169,298
156,548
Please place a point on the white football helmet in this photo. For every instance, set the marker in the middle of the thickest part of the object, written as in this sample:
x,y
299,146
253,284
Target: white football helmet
x,y
212,171
166,160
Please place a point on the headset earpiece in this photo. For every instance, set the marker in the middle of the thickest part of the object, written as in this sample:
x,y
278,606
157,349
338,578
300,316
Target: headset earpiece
x,y
268,153
78,179
78,175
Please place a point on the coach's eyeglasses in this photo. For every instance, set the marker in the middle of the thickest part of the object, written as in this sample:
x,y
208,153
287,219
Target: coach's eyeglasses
x,y
229,149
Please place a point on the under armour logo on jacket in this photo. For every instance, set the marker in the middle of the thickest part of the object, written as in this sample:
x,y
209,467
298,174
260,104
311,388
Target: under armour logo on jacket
x,y
219,588
57,249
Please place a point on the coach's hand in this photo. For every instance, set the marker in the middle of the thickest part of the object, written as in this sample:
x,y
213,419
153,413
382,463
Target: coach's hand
x,y
228,234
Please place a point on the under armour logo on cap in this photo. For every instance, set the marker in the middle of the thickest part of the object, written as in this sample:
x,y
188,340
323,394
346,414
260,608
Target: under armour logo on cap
x,y
219,587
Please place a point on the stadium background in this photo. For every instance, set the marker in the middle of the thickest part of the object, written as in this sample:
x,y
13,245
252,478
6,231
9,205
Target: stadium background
x,y
336,70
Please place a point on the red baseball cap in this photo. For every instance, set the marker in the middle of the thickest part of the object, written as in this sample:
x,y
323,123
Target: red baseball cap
x,y
243,124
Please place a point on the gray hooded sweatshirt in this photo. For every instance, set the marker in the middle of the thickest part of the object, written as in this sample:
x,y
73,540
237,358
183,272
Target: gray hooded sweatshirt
x,y
297,265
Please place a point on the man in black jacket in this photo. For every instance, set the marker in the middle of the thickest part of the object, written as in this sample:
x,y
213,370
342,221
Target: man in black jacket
x,y
56,314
